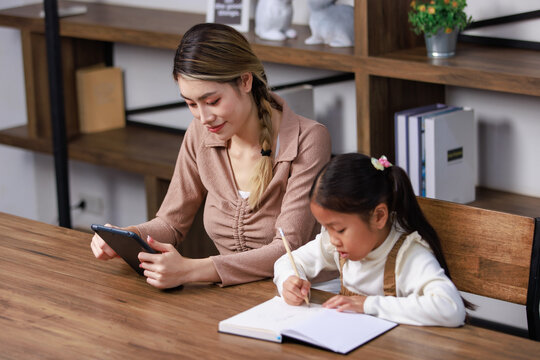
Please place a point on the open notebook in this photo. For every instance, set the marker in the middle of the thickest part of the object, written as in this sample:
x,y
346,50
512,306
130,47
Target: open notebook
x,y
327,328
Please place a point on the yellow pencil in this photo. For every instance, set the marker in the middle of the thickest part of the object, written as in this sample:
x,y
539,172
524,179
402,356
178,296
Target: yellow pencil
x,y
286,243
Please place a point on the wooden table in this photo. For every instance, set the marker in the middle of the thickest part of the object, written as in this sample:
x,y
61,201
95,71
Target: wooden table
x,y
57,301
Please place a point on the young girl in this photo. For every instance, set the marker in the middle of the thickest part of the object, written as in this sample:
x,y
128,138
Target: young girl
x,y
388,255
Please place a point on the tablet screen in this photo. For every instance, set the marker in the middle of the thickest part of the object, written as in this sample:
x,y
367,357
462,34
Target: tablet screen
x,y
127,244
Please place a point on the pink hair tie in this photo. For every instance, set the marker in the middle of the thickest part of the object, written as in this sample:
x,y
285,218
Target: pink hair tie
x,y
381,164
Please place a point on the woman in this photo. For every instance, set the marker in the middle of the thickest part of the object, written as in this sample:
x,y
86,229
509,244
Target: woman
x,y
247,153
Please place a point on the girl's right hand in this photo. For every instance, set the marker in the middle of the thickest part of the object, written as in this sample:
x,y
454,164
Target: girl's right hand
x,y
101,249
295,290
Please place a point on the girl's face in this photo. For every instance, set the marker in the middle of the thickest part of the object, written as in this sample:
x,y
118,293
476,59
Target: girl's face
x,y
353,237
222,108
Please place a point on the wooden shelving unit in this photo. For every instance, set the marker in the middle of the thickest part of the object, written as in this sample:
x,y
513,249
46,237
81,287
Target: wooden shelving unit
x,y
488,68
134,148
391,72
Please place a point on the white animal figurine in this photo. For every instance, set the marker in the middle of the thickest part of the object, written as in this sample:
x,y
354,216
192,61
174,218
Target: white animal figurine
x,y
273,20
331,23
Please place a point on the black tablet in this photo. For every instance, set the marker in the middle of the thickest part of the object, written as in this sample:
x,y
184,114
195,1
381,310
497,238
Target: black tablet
x,y
127,244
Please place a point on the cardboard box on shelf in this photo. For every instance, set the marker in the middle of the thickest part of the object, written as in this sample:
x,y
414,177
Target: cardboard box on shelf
x,y
100,96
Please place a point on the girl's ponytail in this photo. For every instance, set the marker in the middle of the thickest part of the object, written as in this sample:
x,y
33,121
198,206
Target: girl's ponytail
x,y
411,218
408,214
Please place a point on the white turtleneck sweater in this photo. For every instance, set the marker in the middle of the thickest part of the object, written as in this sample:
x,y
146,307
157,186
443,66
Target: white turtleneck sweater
x,y
425,295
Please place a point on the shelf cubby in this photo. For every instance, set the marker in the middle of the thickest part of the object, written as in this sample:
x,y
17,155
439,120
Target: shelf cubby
x,y
388,61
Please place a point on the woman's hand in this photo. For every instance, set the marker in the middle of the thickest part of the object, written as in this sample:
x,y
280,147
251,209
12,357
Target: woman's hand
x,y
295,290
346,303
101,249
167,269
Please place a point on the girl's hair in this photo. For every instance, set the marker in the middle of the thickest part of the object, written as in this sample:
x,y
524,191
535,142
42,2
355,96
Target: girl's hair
x,y
350,183
216,52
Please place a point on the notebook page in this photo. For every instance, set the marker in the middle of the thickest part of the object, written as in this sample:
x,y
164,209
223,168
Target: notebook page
x,y
268,319
338,331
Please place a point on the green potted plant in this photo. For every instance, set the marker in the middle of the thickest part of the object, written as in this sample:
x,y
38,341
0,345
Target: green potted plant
x,y
440,21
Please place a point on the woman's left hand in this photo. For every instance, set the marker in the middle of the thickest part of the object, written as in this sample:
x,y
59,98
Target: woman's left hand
x,y
346,303
164,270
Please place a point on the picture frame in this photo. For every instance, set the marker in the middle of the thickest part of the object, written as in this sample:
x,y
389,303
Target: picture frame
x,y
234,13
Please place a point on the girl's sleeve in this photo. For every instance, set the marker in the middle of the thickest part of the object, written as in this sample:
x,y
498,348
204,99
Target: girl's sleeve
x,y
425,294
310,259
295,217
184,196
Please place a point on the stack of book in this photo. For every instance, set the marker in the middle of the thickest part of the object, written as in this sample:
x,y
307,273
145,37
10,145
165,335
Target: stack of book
x,y
436,146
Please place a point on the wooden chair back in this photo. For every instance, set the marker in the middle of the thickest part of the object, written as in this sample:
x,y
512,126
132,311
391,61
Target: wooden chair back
x,y
490,253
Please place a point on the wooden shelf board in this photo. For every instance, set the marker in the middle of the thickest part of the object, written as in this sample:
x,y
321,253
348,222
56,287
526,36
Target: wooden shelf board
x,y
474,66
507,202
132,148
164,28
20,138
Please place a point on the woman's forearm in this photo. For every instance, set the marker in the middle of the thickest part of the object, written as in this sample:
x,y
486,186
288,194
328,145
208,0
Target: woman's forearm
x,y
201,270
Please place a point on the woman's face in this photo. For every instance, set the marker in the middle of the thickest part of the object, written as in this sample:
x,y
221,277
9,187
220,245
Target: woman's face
x,y
222,108
353,237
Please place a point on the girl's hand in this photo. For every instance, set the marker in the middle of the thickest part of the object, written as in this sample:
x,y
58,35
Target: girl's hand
x,y
101,249
295,290
165,270
346,303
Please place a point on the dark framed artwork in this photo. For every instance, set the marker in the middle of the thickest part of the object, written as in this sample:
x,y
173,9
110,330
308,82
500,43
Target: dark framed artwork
x,y
234,13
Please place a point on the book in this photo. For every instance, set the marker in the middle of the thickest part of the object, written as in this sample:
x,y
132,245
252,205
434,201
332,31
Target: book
x,y
416,147
100,97
450,156
401,126
326,328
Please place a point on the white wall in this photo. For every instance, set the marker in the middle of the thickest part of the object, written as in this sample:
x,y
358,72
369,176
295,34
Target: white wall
x,y
524,30
17,185
482,9
27,184
508,132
